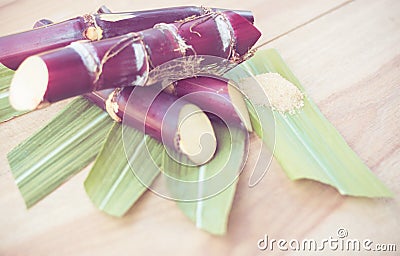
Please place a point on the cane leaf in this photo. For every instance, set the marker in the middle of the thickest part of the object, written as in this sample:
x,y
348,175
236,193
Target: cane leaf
x,y
56,152
6,111
112,185
307,145
205,193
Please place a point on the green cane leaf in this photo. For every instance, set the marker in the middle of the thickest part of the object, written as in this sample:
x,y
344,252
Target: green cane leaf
x,y
114,188
6,111
307,145
62,148
112,185
6,75
211,211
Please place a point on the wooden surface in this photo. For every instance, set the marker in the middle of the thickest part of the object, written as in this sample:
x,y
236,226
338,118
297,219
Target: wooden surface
x,y
347,56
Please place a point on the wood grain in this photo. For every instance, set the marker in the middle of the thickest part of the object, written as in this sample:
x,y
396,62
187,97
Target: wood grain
x,y
348,60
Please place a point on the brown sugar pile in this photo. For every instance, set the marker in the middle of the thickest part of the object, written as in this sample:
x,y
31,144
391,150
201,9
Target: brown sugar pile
x,y
284,96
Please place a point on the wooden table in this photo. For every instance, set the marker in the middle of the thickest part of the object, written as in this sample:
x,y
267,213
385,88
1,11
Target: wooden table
x,y
347,56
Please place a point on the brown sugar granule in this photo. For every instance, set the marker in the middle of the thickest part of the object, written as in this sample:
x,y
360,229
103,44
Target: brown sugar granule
x,y
284,96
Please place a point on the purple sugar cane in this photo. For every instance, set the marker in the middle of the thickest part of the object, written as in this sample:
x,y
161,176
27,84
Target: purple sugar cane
x,y
17,47
217,96
83,67
178,124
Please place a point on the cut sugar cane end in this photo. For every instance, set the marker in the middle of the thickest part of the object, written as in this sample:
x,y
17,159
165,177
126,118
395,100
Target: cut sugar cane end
x,y
196,135
29,85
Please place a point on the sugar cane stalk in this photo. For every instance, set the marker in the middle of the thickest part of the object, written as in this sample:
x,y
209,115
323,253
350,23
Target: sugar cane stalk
x,y
216,96
17,47
178,124
83,67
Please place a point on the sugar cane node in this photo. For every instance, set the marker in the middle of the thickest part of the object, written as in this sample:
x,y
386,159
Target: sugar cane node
x,y
89,59
223,26
182,46
116,49
206,9
93,32
112,105
187,67
233,55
